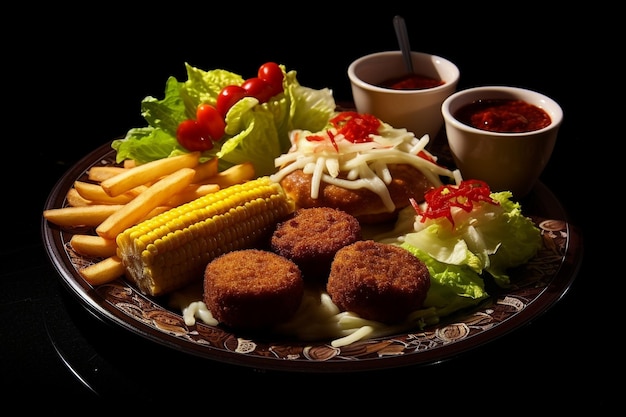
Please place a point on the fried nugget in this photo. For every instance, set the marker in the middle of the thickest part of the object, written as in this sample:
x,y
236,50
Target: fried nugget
x,y
252,289
312,237
378,281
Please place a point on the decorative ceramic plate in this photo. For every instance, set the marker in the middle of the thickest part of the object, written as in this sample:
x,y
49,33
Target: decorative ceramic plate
x,y
538,285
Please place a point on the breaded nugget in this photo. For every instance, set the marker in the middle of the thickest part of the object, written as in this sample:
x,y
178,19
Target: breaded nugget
x,y
378,281
252,289
312,237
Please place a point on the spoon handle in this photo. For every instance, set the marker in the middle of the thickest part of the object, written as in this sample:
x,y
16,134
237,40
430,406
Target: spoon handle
x,y
403,40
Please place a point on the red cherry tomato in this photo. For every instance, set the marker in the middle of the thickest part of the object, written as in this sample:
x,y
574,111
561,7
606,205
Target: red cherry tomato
x,y
271,73
227,97
210,119
193,137
257,88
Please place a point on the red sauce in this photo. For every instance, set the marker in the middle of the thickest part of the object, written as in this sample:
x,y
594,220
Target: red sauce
x,y
503,115
411,82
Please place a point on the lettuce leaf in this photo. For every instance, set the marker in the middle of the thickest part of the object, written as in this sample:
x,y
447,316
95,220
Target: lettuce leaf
x,y
519,238
452,287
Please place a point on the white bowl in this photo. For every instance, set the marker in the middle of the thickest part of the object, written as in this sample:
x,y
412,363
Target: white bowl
x,y
419,111
506,161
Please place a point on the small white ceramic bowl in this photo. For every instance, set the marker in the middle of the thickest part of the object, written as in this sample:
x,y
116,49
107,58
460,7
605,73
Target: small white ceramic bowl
x,y
506,161
419,111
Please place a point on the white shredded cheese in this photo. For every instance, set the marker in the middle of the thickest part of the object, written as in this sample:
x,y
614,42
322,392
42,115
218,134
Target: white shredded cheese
x,y
363,165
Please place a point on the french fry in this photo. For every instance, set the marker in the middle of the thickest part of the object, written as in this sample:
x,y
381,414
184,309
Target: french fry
x,y
74,199
107,270
148,172
94,246
233,175
156,195
129,163
101,173
90,215
155,211
97,195
138,190
205,170
191,192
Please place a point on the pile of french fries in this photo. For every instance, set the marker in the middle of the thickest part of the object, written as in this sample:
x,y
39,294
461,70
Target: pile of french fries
x,y
114,198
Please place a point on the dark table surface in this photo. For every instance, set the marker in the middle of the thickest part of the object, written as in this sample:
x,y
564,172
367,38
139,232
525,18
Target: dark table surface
x,y
89,91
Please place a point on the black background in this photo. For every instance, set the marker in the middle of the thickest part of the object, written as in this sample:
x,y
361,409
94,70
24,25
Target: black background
x,y
75,80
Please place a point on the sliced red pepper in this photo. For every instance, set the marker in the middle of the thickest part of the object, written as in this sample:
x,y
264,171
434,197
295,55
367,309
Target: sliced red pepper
x,y
440,200
356,127
426,156
332,140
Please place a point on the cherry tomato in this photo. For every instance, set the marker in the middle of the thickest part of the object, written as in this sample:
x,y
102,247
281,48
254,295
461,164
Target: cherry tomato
x,y
227,97
210,119
257,88
193,136
271,73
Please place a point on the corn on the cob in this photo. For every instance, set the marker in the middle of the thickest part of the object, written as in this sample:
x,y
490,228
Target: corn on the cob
x,y
172,249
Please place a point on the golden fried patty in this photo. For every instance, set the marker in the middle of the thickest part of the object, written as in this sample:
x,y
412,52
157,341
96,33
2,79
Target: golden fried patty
x,y
407,182
312,236
252,288
378,281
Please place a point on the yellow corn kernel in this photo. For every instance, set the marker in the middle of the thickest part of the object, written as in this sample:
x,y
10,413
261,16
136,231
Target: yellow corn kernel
x,y
172,249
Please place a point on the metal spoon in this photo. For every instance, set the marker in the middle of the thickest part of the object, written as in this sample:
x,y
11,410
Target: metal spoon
x,y
403,40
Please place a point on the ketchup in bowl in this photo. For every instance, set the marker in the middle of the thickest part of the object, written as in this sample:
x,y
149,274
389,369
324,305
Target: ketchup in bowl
x,y
503,116
412,82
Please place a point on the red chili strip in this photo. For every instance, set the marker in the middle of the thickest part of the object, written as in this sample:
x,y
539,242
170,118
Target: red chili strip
x,y
426,157
356,127
440,200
